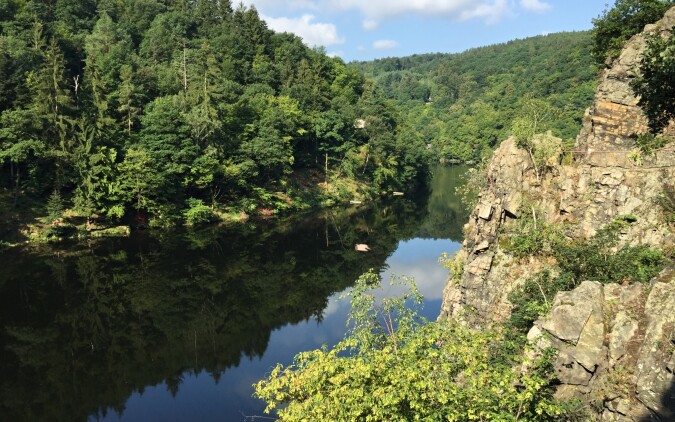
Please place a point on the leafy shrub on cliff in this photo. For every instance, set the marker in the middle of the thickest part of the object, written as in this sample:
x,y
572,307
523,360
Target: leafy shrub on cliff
x,y
593,259
655,84
615,26
394,365
529,237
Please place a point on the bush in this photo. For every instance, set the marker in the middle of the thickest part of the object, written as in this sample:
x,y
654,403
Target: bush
x,y
594,259
394,365
655,84
615,26
197,213
529,237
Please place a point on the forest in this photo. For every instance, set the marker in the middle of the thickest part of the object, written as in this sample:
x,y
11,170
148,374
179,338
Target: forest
x,y
172,112
463,104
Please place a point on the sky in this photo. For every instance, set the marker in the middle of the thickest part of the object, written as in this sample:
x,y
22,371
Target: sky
x,y
370,29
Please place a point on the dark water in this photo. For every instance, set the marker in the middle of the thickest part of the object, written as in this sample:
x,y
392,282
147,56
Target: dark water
x,y
177,327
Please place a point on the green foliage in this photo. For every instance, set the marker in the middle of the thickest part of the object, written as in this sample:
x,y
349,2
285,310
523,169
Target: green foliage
x,y
463,104
655,85
528,237
615,26
534,117
197,213
596,259
455,266
55,206
392,365
180,100
534,298
666,201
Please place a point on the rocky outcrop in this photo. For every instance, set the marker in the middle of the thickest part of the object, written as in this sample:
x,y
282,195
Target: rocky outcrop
x,y
615,342
616,345
615,115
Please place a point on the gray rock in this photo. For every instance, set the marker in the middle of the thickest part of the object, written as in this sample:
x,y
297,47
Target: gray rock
x,y
482,246
653,378
566,322
572,311
481,264
485,211
569,371
623,329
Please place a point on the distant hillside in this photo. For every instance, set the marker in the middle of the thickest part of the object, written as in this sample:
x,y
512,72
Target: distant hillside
x,y
463,103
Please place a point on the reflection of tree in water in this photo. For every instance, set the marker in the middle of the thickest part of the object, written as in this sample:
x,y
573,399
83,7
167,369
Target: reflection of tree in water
x,y
446,213
82,331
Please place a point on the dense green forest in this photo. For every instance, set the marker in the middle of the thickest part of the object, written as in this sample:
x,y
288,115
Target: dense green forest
x,y
463,104
174,111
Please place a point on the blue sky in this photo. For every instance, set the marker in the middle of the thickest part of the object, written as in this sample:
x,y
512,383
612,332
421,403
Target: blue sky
x,y
369,29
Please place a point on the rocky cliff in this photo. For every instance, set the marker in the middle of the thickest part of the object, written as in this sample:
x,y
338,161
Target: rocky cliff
x,y
616,342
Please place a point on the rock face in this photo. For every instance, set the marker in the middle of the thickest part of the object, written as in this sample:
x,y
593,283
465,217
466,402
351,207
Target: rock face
x,y
616,343
615,346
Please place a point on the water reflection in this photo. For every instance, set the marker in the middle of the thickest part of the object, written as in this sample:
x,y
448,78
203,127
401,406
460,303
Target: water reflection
x,y
178,327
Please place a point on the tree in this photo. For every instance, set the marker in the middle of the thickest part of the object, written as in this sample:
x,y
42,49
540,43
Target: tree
x,y
127,97
205,95
139,179
655,84
615,26
95,167
394,365
534,118
106,50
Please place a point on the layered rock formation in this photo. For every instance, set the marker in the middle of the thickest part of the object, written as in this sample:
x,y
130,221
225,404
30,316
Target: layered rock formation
x,y
615,342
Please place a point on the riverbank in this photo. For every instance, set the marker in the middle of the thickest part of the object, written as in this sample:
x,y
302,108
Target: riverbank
x,y
26,220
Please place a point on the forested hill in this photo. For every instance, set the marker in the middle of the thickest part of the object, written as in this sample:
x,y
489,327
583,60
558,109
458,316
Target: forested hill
x,y
463,104
171,109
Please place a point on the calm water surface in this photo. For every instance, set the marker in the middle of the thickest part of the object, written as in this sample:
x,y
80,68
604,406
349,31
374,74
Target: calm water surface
x,y
177,327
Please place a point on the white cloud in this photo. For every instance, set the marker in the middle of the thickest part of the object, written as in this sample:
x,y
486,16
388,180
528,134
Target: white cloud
x,y
384,44
369,24
535,5
461,10
268,5
313,34
374,11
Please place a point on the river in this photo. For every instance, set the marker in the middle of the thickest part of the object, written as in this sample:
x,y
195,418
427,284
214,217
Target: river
x,y
178,326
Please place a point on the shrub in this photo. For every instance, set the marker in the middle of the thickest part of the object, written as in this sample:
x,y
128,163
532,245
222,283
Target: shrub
x,y
197,213
55,206
394,365
529,237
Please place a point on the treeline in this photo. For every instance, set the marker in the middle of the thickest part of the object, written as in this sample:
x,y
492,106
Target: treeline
x,y
463,104
174,108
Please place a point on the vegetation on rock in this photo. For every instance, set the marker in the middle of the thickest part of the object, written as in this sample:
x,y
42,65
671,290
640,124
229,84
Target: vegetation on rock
x,y
617,24
655,85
